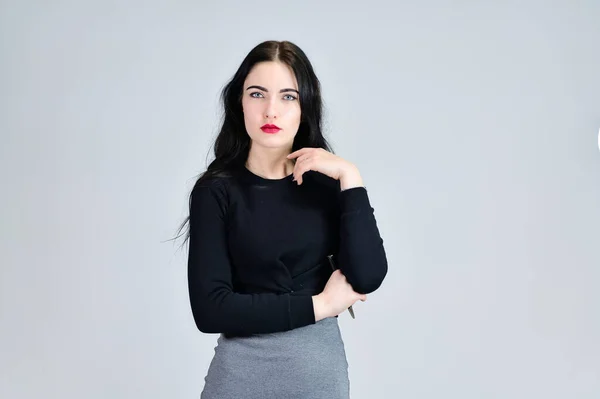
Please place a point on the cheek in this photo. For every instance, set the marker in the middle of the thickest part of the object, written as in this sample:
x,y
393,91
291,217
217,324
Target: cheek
x,y
251,111
293,113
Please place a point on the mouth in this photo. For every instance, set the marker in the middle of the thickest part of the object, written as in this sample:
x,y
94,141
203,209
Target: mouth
x,y
268,128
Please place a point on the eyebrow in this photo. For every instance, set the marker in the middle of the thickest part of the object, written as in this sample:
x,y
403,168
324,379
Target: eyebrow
x,y
264,89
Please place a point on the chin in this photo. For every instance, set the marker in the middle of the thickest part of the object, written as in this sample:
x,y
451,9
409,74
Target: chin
x,y
272,141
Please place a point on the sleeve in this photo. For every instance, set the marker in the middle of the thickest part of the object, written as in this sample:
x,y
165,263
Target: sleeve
x,y
216,308
361,254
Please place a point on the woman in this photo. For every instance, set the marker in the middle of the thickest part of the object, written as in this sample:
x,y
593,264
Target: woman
x,y
263,219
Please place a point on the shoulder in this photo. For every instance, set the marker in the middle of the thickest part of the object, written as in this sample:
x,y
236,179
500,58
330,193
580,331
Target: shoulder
x,y
210,189
211,183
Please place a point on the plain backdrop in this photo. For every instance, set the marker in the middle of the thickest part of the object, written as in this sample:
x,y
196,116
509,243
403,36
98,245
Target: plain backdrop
x,y
474,125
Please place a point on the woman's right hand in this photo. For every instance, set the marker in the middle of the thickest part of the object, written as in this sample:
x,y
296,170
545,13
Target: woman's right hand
x,y
337,296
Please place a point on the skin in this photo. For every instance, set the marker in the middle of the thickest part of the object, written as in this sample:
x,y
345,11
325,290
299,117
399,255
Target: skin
x,y
270,96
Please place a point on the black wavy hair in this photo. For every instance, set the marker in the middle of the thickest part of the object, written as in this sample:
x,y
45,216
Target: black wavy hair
x,y
232,144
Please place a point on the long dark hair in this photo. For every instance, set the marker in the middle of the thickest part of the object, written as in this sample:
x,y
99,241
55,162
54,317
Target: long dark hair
x,y
232,145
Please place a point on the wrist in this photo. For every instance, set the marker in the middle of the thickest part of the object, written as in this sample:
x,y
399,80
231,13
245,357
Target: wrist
x,y
320,307
350,178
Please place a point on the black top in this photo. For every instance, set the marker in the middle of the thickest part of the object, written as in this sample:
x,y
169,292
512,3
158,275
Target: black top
x,y
258,249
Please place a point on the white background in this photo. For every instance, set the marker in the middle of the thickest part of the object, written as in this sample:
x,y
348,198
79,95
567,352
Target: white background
x,y
474,125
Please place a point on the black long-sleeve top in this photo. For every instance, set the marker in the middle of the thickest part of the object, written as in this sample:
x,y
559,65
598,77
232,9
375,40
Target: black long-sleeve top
x,y
258,249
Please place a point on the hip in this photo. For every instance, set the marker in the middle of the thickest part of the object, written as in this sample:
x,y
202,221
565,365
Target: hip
x,y
295,363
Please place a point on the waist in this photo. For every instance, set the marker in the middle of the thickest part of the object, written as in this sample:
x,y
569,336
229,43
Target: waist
x,y
313,280
327,327
308,282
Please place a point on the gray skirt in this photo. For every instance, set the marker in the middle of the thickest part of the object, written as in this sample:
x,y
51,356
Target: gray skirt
x,y
305,363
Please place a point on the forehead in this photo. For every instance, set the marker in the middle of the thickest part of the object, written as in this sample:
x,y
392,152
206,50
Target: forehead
x,y
271,74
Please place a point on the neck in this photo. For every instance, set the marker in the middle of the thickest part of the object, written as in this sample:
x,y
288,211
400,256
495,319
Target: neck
x,y
270,163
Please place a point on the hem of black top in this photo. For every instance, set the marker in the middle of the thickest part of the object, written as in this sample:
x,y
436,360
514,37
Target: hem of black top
x,y
302,311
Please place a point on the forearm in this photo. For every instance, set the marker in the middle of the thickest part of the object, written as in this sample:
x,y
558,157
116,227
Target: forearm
x,y
361,256
224,311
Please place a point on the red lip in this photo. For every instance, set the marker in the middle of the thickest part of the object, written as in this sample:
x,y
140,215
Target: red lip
x,y
269,128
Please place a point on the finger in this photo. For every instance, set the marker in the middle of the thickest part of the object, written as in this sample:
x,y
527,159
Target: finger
x,y
301,168
297,153
361,297
339,271
302,158
297,173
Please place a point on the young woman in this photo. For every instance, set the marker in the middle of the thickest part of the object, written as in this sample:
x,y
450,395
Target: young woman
x,y
264,218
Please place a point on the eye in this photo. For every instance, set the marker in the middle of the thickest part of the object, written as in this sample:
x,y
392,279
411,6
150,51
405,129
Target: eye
x,y
256,92
291,97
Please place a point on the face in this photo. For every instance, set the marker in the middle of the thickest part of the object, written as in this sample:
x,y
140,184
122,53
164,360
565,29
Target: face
x,y
270,96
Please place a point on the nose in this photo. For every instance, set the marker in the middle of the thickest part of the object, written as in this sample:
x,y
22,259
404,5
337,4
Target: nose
x,y
271,109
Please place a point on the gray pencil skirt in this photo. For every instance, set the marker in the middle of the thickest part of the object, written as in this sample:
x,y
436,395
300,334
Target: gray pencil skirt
x,y
305,363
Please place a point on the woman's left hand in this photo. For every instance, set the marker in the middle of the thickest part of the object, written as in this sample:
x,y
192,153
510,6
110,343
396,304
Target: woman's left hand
x,y
320,160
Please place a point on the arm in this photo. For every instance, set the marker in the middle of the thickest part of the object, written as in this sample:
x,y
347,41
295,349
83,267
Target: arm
x,y
362,257
215,307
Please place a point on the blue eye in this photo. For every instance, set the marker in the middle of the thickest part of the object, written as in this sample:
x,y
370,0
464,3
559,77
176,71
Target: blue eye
x,y
287,97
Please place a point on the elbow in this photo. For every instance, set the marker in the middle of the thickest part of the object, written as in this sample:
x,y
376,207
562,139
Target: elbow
x,y
204,314
204,322
211,317
367,276
207,328
214,325
370,283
